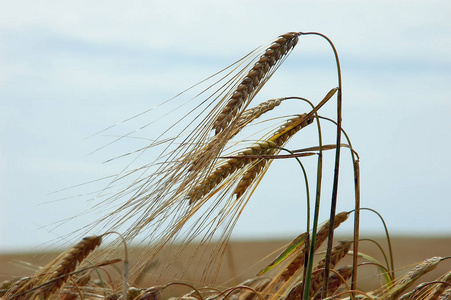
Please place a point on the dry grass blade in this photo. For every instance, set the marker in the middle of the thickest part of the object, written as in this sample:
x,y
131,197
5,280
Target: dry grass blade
x,y
52,277
254,79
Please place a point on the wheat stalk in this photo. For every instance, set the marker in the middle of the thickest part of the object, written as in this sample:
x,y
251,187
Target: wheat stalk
x,y
253,80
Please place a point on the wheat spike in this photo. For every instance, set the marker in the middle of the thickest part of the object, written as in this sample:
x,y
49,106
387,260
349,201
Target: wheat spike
x,y
407,280
337,253
55,274
335,282
429,291
69,262
255,112
321,236
446,295
278,139
440,288
225,169
253,80
249,115
257,284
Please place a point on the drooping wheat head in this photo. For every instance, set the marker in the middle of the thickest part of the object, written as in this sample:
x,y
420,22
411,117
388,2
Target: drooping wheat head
x,y
407,280
53,276
252,83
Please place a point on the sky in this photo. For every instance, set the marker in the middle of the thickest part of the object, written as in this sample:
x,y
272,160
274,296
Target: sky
x,y
69,69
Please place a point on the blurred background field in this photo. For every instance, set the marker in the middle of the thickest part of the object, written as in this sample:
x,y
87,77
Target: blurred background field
x,y
244,259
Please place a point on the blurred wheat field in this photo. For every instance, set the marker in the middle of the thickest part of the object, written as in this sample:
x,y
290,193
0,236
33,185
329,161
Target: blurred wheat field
x,y
243,260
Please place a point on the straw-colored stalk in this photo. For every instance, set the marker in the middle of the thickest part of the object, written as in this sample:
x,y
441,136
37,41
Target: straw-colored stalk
x,y
254,79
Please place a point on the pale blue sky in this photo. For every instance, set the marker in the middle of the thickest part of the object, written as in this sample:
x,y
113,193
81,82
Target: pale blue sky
x,y
69,69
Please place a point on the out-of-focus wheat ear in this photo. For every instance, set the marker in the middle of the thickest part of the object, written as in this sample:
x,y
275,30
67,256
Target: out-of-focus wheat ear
x,y
257,284
407,280
440,288
337,253
21,285
78,282
446,295
67,264
336,281
277,140
430,290
321,236
254,79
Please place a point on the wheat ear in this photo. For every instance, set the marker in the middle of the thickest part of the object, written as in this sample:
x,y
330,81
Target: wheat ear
x,y
429,290
257,284
278,139
255,112
407,280
440,288
67,264
231,165
321,236
249,115
337,253
253,80
336,281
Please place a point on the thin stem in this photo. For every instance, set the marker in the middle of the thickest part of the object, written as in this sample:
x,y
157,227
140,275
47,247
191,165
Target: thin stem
x,y
356,166
333,206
